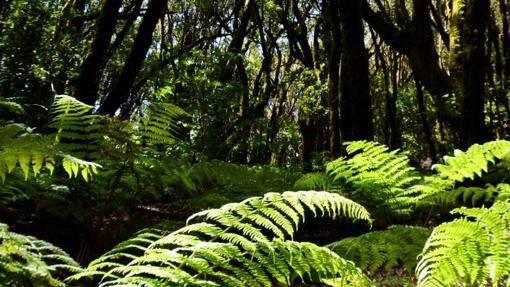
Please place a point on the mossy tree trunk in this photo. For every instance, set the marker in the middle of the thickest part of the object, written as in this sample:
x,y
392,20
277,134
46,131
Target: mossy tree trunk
x,y
468,65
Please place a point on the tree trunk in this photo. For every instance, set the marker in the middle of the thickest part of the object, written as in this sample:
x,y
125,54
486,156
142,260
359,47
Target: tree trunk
x,y
355,104
415,39
87,83
334,47
141,45
308,142
427,132
468,65
394,137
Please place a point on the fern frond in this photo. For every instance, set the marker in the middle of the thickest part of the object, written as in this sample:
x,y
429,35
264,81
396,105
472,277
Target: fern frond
x,y
32,152
471,251
225,264
19,147
28,261
315,181
120,255
10,106
74,123
473,194
160,123
237,244
236,182
384,250
376,177
473,162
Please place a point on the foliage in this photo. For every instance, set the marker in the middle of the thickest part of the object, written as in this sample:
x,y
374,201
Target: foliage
x,y
376,177
473,162
76,128
201,103
28,261
474,195
314,181
384,250
241,242
469,251
159,124
32,151
454,179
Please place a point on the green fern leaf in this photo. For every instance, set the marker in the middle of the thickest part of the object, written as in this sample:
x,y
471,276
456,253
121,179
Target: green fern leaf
x,y
384,250
239,243
471,251
27,260
376,177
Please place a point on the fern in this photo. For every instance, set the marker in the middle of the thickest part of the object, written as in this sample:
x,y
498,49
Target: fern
x,y
75,126
28,261
10,106
225,264
237,244
121,254
470,251
384,250
160,123
473,194
32,152
376,177
473,162
18,146
315,181
240,179
469,165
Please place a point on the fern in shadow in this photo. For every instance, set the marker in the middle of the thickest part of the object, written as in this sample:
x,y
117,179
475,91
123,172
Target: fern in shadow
x,y
28,261
381,251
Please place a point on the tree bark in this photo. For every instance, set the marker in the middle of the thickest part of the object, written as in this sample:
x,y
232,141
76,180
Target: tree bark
x,y
355,103
141,45
87,83
416,41
427,132
334,46
468,66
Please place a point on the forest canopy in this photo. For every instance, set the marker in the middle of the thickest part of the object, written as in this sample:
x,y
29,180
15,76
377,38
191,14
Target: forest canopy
x,y
367,138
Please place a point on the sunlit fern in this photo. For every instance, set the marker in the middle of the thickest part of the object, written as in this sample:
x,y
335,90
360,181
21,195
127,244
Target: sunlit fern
x,y
474,195
28,261
32,152
384,250
474,163
76,128
238,244
376,177
470,251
